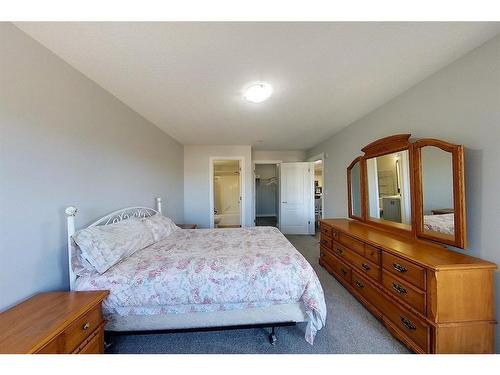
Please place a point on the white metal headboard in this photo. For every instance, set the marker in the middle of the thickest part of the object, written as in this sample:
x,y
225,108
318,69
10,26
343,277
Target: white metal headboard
x,y
113,217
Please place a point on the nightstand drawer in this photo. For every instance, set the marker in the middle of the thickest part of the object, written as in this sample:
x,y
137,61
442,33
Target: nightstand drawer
x,y
94,344
81,329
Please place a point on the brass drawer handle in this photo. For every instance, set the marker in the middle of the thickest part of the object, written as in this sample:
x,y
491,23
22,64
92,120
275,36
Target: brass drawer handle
x,y
398,267
399,289
339,250
324,242
86,326
359,285
408,324
365,266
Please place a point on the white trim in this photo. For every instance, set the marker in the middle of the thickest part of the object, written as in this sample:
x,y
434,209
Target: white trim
x,y
113,217
211,160
254,187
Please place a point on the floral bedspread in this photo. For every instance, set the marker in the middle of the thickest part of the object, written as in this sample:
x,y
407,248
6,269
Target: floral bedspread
x,y
440,223
206,270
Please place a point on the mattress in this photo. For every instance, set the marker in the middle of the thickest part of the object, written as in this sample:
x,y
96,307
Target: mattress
x,y
211,271
290,312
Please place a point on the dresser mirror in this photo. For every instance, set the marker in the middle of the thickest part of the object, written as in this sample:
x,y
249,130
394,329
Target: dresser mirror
x,y
411,188
440,201
388,178
355,189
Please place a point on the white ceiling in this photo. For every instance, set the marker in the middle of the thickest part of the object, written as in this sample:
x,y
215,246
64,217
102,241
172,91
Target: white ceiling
x,y
187,78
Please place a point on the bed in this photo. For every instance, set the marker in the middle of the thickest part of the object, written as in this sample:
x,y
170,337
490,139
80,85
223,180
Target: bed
x,y
443,223
197,279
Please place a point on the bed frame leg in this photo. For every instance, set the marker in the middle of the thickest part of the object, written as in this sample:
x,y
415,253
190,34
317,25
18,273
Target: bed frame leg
x,y
108,340
272,337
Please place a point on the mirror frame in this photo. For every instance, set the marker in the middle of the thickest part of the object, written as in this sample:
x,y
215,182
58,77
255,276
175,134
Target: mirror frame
x,y
362,189
460,229
381,147
401,142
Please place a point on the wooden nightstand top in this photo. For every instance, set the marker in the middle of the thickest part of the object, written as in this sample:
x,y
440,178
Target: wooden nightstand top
x,y
187,226
27,327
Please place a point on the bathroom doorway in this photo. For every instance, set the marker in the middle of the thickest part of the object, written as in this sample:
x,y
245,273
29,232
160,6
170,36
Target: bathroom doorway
x,y
319,193
226,193
267,193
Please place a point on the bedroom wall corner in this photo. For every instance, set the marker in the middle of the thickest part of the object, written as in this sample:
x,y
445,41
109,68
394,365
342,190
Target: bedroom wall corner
x,y
66,141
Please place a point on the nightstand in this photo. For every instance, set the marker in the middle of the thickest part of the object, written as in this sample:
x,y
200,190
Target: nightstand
x,y
187,226
55,323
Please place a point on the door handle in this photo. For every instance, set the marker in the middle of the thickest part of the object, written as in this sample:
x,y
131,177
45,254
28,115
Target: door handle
x,y
284,202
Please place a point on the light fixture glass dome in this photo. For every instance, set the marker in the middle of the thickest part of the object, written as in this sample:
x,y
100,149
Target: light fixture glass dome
x,y
258,92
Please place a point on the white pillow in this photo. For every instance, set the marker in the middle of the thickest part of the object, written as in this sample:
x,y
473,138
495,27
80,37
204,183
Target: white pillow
x,y
160,226
106,245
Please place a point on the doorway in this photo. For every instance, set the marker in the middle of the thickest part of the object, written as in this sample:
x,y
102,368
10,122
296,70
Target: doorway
x,y
226,195
319,193
267,193
297,198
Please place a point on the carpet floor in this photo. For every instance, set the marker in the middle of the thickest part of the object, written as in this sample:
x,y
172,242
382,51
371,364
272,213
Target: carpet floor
x,y
350,328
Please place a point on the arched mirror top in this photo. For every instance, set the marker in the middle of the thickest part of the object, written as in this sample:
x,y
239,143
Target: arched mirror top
x,y
388,188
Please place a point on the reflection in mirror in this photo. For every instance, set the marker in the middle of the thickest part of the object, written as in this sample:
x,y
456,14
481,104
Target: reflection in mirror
x,y
389,187
356,190
437,189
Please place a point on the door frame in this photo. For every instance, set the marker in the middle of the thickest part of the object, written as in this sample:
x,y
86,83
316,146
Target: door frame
x,y
321,156
311,226
241,160
254,197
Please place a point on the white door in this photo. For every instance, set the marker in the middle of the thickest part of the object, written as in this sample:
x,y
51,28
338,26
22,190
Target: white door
x,y
297,198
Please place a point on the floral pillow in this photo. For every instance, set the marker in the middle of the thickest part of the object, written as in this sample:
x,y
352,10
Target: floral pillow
x,y
106,245
160,226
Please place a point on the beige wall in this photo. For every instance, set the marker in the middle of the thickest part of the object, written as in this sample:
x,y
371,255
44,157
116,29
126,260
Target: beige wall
x,y
64,140
459,104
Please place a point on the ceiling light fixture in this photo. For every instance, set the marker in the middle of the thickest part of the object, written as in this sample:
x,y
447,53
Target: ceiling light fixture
x,y
258,92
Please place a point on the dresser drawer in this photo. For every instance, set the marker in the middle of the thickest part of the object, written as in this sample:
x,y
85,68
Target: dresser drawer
x,y
372,253
326,241
362,264
404,290
404,269
326,230
370,293
352,243
343,270
415,328
81,329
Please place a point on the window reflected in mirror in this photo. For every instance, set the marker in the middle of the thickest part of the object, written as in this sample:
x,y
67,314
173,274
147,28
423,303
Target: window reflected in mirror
x,y
388,179
437,191
356,190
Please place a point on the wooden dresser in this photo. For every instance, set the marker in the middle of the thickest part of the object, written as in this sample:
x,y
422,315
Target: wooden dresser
x,y
432,299
53,323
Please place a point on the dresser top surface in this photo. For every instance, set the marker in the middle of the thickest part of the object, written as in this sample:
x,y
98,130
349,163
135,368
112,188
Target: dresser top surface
x,y
28,326
430,255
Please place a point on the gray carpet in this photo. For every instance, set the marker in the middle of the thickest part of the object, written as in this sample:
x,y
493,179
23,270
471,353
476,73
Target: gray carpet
x,y
350,328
